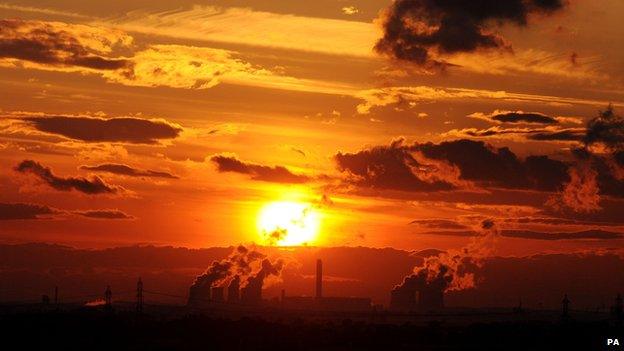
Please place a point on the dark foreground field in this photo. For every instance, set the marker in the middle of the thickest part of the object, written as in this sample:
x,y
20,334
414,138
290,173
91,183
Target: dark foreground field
x,y
92,329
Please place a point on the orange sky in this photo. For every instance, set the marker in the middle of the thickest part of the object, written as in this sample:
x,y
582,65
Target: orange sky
x,y
150,122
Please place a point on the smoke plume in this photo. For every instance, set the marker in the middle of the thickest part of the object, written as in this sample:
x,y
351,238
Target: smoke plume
x,y
581,193
597,165
243,263
240,262
455,269
267,268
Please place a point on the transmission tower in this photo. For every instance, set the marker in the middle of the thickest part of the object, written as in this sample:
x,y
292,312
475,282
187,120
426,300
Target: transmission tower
x,y
108,298
139,296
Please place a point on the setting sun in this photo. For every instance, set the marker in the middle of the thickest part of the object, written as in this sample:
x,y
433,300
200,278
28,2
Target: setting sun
x,y
288,223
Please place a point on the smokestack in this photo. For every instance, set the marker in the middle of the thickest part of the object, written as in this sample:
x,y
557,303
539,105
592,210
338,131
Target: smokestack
x,y
234,290
198,293
218,294
319,279
252,292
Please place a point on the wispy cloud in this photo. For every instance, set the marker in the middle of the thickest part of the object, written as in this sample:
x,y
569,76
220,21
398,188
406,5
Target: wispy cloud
x,y
43,10
190,67
265,29
413,95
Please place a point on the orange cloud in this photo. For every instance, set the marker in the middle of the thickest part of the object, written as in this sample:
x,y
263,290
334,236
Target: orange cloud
x,y
190,67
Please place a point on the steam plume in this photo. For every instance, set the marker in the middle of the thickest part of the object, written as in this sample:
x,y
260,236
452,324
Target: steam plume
x,y
242,264
454,269
238,263
603,145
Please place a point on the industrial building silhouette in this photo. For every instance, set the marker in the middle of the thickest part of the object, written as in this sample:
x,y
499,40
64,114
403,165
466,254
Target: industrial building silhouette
x,y
424,299
250,295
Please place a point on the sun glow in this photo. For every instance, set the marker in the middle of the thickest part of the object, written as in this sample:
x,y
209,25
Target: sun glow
x,y
287,223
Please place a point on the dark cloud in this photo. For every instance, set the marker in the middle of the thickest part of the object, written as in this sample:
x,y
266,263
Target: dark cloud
x,y
398,167
50,44
607,129
574,58
299,151
103,214
482,163
92,186
596,234
92,129
126,170
389,167
560,135
516,117
461,164
539,134
480,133
10,211
419,30
276,174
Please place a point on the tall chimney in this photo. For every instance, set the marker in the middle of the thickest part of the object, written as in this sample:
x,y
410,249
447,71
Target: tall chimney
x,y
319,279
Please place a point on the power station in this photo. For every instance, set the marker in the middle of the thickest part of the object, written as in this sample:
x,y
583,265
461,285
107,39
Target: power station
x,y
251,295
425,299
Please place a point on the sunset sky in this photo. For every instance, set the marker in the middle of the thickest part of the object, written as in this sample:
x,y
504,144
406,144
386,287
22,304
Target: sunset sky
x,y
379,124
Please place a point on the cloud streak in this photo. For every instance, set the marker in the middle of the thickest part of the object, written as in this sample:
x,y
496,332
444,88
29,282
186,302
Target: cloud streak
x,y
121,169
276,174
30,211
523,133
415,95
515,117
103,214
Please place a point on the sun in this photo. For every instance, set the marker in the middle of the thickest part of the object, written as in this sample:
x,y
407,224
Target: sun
x,y
287,223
